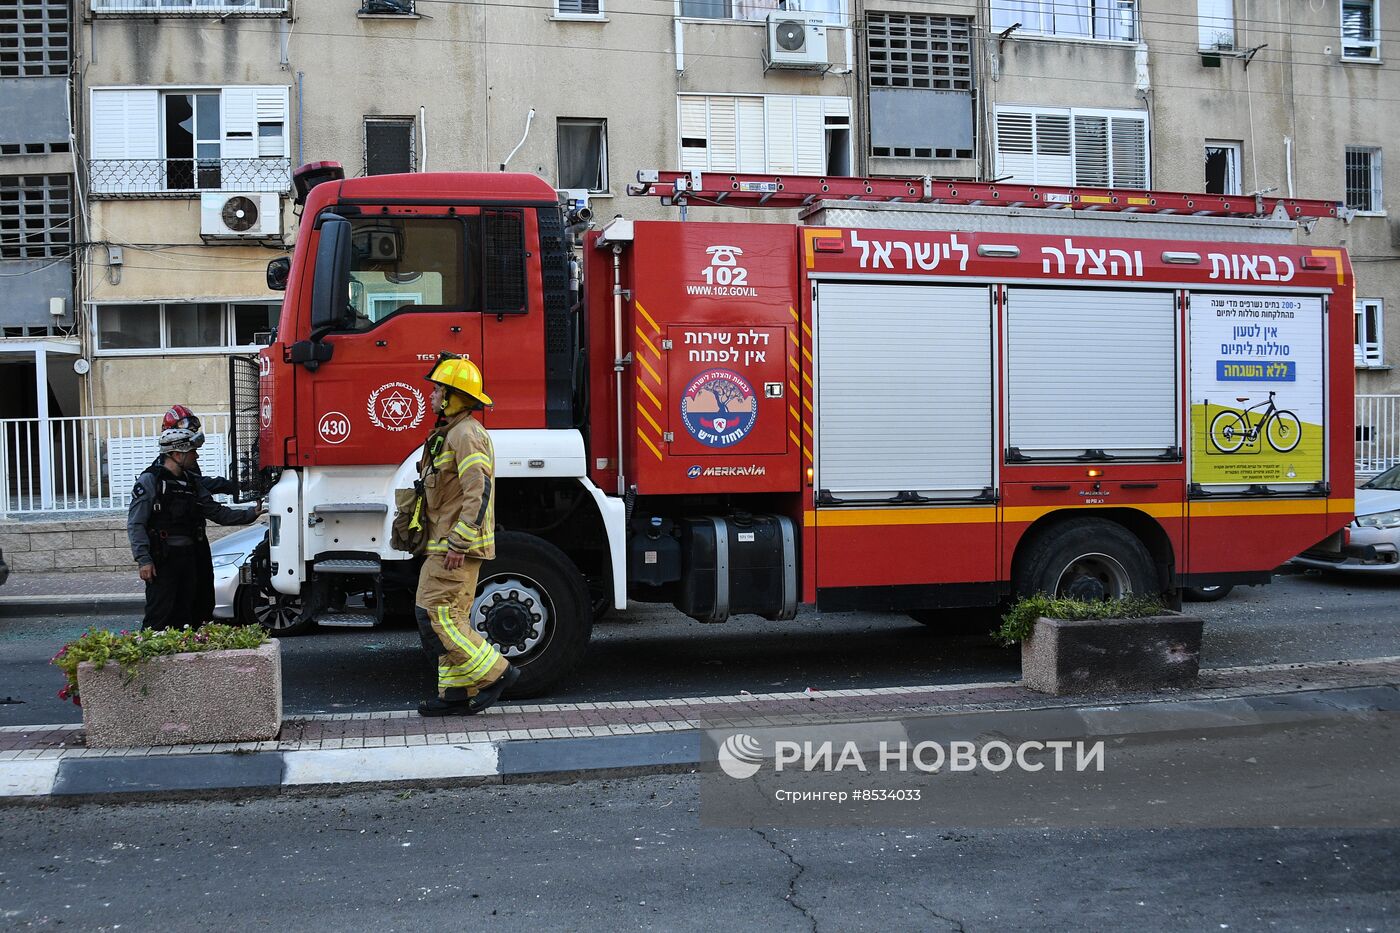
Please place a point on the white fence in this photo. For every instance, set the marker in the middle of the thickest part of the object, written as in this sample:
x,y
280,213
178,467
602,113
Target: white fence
x,y
87,464
1377,433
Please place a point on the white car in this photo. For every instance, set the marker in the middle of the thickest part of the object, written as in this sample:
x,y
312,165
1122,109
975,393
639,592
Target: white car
x,y
1375,532
237,597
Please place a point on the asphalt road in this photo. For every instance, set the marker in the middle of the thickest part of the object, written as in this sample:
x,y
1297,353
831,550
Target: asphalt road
x,y
637,854
652,651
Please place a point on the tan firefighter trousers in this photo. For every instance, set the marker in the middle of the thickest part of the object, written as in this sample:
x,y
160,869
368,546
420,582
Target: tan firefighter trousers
x,y
466,661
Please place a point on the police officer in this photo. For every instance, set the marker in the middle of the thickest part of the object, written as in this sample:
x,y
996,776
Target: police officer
x,y
180,416
165,524
458,470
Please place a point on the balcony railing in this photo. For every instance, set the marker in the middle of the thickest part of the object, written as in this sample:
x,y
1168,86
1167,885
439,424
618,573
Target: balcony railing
x,y
191,7
177,178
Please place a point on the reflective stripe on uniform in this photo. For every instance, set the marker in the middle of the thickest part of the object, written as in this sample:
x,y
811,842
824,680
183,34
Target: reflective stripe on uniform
x,y
476,459
444,459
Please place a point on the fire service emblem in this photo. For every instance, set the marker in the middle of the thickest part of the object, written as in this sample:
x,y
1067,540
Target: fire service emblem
x,y
719,408
396,406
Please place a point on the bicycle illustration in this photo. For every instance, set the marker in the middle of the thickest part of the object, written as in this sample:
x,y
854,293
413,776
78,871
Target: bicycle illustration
x,y
1231,429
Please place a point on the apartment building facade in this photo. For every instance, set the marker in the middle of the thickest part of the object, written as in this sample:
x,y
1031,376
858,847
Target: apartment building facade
x,y
191,114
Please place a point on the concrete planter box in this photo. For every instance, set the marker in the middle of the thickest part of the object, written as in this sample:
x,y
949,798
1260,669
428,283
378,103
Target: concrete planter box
x,y
1112,655
185,699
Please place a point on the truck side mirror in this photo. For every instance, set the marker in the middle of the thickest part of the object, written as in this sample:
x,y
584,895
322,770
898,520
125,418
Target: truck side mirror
x,y
278,271
330,292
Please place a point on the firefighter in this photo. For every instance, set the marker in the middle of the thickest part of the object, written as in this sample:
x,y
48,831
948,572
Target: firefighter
x,y
457,471
165,525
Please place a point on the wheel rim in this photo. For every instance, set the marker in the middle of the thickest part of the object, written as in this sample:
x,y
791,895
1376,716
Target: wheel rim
x,y
276,614
515,614
1091,577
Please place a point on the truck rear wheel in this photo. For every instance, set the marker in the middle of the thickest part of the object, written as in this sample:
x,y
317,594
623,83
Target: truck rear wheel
x,y
1087,559
533,605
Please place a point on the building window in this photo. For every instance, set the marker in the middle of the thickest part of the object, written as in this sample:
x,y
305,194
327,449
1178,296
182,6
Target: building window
x,y
202,326
188,7
147,141
1360,34
583,154
1099,148
827,11
36,216
389,145
34,39
921,87
387,8
1370,350
1363,181
590,8
1070,19
776,133
1222,167
1216,24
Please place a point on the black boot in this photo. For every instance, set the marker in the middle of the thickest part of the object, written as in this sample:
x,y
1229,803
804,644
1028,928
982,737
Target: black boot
x,y
489,695
437,707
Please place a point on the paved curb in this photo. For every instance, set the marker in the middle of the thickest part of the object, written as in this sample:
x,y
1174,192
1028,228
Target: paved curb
x,y
457,759
70,605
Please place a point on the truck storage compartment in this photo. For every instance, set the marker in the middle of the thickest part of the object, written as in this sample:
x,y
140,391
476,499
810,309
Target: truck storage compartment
x,y
740,564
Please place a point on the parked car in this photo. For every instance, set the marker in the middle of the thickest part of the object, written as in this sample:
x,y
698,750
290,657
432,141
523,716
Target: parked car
x,y
237,597
1375,532
1206,594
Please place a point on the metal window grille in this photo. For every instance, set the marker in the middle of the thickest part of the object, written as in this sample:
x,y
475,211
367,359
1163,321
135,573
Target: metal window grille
x,y
909,50
36,216
579,7
390,146
189,7
1363,179
34,38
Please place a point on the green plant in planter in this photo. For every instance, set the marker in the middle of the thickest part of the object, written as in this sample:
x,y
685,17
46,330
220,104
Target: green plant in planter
x,y
131,649
1018,624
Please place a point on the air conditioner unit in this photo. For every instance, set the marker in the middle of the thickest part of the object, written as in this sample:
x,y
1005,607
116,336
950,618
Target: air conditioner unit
x,y
796,41
231,215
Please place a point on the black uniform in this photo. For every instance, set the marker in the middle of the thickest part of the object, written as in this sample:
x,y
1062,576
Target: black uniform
x,y
165,524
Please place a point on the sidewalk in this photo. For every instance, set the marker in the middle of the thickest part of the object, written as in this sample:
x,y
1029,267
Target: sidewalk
x,y
513,743
70,593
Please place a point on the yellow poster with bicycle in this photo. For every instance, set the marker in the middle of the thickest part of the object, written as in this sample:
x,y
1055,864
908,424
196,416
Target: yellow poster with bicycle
x,y
1256,389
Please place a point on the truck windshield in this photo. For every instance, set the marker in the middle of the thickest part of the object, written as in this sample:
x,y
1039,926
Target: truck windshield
x,y
403,262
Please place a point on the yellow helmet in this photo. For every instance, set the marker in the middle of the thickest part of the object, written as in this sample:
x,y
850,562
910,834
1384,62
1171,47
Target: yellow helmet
x,y
460,375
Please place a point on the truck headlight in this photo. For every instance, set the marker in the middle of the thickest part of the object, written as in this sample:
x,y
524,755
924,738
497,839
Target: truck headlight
x,y
1389,519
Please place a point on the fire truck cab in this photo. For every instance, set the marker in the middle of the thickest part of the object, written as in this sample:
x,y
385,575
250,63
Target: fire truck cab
x,y
919,397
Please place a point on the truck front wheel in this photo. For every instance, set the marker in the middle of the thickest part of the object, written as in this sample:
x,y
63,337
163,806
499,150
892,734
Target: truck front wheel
x,y
1087,559
533,605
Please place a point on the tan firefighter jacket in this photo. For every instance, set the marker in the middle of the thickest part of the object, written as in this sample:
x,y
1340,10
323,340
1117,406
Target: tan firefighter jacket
x,y
458,472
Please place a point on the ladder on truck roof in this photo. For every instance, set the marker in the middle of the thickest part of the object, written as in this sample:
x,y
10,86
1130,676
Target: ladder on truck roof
x,y
797,191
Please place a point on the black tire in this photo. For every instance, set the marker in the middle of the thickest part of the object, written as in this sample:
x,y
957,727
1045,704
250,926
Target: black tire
x,y
532,604
1206,594
278,613
1084,558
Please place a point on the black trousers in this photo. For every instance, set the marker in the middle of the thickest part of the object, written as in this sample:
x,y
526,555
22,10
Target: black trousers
x,y
173,595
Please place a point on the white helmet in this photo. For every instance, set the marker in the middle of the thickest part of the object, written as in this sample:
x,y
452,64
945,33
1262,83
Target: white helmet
x,y
178,440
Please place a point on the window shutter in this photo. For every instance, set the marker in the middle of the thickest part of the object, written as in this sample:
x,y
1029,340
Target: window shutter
x,y
1216,23
1091,165
1129,152
240,123
782,138
753,153
272,108
694,127
125,124
724,129
1053,158
810,135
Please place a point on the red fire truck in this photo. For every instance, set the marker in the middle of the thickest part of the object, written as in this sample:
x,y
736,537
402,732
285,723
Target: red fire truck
x,y
924,395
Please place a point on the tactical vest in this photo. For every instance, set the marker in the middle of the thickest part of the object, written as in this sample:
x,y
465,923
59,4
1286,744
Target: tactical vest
x,y
175,512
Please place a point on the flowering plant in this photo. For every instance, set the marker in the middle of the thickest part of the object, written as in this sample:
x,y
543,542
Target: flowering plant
x,y
131,649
